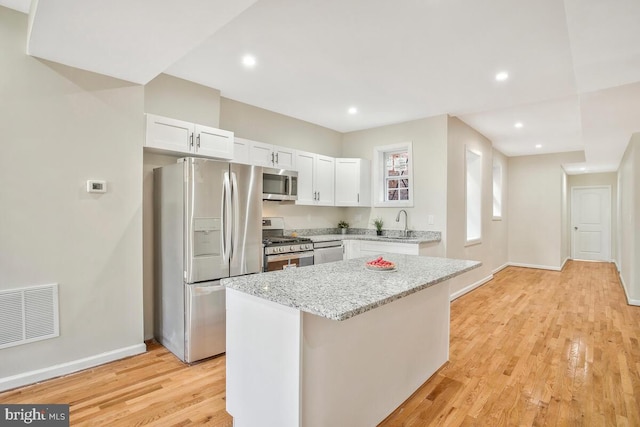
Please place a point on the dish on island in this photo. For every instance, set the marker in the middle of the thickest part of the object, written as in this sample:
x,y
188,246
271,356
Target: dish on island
x,y
380,264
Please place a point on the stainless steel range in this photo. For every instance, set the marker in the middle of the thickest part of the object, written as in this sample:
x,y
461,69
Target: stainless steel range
x,y
282,251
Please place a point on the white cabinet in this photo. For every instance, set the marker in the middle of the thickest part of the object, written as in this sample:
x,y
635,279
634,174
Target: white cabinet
x,y
353,182
316,178
370,248
241,151
178,136
271,156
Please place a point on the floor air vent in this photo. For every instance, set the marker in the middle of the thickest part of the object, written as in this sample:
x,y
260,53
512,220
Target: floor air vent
x,y
28,314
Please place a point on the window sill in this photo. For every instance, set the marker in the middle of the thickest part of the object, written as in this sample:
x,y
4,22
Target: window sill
x,y
403,204
473,242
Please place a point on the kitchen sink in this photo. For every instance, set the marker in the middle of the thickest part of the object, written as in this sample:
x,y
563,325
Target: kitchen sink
x,y
399,237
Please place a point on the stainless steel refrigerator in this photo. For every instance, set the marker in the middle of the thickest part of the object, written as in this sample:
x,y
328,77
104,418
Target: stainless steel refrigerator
x,y
207,220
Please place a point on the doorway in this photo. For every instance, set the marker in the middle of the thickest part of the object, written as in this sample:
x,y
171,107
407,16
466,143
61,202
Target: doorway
x,y
591,223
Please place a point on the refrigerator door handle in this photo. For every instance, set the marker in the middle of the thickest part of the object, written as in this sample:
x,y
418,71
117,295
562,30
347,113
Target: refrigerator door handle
x,y
226,218
235,214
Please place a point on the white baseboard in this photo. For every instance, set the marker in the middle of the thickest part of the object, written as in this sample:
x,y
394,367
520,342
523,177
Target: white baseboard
x,y
502,267
539,267
54,371
563,263
469,288
626,294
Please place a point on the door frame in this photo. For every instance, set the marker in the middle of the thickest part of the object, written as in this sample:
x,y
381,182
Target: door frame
x,y
610,222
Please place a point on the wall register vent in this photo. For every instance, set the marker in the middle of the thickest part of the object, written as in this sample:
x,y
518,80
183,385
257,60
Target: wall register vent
x,y
28,315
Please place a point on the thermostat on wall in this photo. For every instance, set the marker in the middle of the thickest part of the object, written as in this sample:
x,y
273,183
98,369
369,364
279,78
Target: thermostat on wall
x,y
95,186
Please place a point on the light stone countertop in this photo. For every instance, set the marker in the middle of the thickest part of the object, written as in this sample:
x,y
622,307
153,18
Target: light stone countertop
x,y
343,289
413,240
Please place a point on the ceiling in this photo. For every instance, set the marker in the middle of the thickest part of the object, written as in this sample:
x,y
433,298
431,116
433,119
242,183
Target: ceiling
x,y
574,66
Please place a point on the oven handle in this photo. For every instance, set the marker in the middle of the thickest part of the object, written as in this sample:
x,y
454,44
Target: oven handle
x,y
284,257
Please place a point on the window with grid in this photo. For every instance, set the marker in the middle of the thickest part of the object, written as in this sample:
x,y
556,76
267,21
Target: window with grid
x,y
396,175
393,175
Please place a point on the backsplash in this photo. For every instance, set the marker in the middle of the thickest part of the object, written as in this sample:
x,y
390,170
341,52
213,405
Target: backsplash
x,y
435,235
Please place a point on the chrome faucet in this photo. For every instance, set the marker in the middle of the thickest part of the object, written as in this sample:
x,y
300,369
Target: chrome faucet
x,y
405,232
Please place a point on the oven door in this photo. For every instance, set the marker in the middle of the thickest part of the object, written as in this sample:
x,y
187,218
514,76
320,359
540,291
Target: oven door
x,y
283,261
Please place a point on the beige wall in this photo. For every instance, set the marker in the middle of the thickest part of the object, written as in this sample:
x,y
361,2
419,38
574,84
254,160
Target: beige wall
x,y
499,227
593,180
460,138
266,126
59,127
429,138
536,209
628,258
180,99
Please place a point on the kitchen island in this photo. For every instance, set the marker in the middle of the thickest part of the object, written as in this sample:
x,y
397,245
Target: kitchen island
x,y
336,343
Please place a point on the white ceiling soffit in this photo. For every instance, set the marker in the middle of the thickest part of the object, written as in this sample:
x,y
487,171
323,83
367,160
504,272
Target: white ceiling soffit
x,y
19,5
129,40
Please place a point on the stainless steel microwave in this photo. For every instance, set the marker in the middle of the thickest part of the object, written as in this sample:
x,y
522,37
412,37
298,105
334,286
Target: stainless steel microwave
x,y
279,184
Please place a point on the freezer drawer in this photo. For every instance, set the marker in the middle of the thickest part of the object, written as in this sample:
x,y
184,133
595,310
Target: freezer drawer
x,y
205,316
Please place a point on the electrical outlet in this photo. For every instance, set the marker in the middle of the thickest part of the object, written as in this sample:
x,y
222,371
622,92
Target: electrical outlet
x,y
430,220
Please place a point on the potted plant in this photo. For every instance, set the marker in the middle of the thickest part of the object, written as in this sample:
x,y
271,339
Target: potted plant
x,y
378,223
343,225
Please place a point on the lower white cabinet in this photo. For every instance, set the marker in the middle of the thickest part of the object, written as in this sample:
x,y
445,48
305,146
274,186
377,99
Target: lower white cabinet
x,y
181,137
370,248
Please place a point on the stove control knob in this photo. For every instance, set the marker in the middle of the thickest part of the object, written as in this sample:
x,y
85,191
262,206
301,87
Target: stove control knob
x,y
281,249
292,248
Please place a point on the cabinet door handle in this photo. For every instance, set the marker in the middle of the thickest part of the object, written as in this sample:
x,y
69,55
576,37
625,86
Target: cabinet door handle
x,y
198,141
358,197
191,140
272,162
277,161
315,195
318,196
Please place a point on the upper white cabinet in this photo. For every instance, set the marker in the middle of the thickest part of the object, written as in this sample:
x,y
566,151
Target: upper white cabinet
x,y
316,179
241,151
271,156
353,182
164,133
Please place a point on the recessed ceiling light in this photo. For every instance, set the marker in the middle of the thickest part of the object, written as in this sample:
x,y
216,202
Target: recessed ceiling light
x,y
502,76
249,61
583,169
538,145
518,125
352,110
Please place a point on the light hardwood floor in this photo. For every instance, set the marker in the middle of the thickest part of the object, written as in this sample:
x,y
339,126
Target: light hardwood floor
x,y
531,347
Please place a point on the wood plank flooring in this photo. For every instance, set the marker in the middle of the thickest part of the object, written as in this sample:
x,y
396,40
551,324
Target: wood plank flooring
x,y
529,348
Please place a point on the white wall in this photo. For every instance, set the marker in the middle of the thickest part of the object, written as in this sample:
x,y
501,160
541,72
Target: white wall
x,y
536,209
59,127
594,180
429,137
460,137
628,256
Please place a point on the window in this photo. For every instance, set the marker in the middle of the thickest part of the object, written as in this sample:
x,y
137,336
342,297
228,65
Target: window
x,y
393,175
473,190
497,191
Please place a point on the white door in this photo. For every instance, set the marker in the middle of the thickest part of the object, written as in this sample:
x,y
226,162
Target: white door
x,y
285,158
169,134
591,223
261,154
